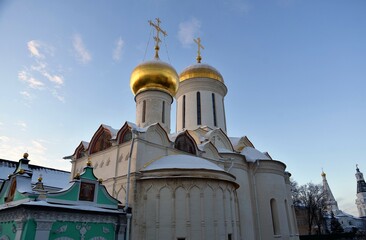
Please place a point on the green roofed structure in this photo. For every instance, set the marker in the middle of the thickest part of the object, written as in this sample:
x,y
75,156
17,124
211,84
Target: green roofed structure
x,y
83,210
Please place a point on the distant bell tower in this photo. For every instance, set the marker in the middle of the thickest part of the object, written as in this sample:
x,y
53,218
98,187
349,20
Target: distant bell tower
x,y
361,193
200,96
154,84
331,203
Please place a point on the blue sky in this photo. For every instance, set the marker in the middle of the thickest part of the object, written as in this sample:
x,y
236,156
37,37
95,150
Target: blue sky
x,y
295,70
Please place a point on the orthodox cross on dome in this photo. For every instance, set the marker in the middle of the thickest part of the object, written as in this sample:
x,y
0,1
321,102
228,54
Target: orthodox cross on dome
x,y
199,45
157,38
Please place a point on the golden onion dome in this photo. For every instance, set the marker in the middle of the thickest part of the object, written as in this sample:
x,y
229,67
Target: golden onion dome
x,y
154,75
200,70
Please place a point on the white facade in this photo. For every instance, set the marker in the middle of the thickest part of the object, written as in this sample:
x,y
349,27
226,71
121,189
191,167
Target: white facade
x,y
361,204
153,107
212,111
196,183
347,221
361,194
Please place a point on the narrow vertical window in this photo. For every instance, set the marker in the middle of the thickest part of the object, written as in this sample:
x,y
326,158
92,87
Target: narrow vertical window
x,y
214,109
198,108
163,113
288,217
275,221
143,110
184,112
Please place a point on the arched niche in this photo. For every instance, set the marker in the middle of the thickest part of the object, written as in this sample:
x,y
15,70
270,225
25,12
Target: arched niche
x,y
81,150
155,133
184,142
101,140
124,134
219,139
209,150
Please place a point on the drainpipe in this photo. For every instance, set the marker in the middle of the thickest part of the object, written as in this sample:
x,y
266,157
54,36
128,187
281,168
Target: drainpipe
x,y
129,215
256,198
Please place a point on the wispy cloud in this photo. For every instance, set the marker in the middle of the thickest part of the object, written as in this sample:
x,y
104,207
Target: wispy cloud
x,y
38,147
31,81
82,53
57,79
56,94
4,139
188,31
33,47
23,75
14,149
26,95
34,83
22,125
5,148
117,52
39,75
41,67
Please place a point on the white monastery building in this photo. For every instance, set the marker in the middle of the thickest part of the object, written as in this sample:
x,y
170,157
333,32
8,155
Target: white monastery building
x,y
347,221
196,182
361,194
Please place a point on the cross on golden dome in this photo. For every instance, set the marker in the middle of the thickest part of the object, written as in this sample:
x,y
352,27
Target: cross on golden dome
x,y
199,45
157,38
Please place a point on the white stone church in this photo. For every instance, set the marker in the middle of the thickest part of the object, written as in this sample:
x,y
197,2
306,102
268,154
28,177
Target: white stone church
x,y
196,182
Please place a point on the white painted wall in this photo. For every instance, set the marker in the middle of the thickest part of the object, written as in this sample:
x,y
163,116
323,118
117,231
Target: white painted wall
x,y
154,105
187,208
206,87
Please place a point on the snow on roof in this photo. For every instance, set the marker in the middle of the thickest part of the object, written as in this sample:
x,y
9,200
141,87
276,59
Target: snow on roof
x,y
235,141
201,138
195,134
202,146
51,177
85,144
182,162
205,128
7,167
133,126
340,213
252,154
23,185
224,150
112,130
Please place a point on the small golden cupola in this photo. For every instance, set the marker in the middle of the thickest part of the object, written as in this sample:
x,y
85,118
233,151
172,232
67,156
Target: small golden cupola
x,y
200,96
200,70
155,74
